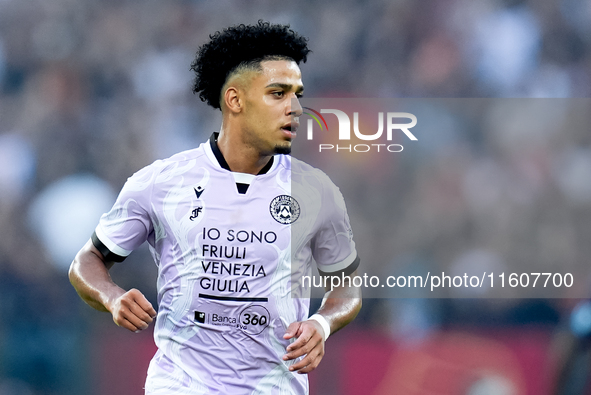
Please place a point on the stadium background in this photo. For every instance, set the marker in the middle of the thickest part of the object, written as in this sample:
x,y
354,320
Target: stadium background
x,y
92,91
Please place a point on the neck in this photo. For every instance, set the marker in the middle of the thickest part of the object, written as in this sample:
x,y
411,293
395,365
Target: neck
x,y
240,156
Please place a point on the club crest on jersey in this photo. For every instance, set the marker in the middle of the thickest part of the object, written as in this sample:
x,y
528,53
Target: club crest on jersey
x,y
285,209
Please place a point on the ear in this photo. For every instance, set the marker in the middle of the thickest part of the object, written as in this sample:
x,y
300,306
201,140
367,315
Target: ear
x,y
232,99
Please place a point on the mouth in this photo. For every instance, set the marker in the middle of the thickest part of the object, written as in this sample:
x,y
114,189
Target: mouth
x,y
290,128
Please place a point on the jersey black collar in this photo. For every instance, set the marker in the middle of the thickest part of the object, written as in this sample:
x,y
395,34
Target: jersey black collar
x,y
242,188
213,141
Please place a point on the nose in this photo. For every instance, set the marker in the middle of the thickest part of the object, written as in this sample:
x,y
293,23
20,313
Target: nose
x,y
296,108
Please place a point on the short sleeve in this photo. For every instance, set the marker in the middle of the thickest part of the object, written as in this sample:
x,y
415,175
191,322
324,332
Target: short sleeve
x,y
333,247
128,224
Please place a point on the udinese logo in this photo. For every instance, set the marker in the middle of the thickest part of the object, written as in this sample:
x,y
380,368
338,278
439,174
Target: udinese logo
x,y
285,209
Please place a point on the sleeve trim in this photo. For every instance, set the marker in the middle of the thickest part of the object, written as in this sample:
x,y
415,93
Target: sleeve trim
x,y
346,267
337,266
107,247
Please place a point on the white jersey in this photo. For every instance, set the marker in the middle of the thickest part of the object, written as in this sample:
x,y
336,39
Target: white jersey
x,y
225,261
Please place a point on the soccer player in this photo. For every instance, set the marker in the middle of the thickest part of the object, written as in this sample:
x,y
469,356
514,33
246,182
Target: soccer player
x,y
226,224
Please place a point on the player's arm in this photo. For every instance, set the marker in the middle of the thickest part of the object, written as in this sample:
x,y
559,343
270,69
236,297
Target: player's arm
x,y
340,306
89,274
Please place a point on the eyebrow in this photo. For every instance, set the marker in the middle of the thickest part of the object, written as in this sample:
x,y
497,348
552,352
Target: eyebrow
x,y
286,87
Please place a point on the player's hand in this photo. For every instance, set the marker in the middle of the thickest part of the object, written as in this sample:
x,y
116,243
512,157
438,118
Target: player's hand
x,y
132,311
309,342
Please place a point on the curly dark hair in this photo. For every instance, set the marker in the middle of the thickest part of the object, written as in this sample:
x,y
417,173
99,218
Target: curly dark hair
x,y
238,46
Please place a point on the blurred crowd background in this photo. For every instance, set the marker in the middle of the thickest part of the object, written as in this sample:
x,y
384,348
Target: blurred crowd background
x,y
90,92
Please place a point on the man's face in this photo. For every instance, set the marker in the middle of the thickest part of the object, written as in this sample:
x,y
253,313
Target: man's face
x,y
267,119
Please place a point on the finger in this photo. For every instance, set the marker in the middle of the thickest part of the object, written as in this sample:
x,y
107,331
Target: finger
x,y
132,327
137,303
127,313
144,304
303,350
307,332
309,368
136,310
130,309
310,361
302,340
125,323
307,364
292,330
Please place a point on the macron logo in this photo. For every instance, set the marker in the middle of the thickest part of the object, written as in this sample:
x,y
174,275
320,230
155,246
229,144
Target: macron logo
x,y
198,191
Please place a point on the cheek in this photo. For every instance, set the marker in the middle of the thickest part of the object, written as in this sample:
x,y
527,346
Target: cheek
x,y
257,124
268,115
272,105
